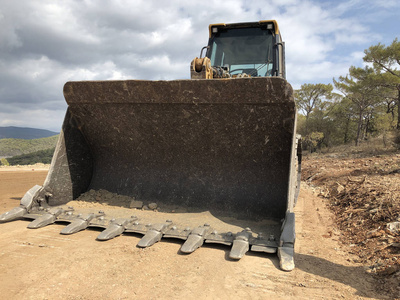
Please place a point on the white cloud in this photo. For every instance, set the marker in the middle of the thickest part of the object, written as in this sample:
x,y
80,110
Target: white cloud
x,y
35,118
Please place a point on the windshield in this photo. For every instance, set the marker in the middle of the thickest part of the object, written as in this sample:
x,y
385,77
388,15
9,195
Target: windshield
x,y
243,50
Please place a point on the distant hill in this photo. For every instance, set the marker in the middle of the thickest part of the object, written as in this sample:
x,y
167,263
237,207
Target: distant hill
x,y
13,147
25,133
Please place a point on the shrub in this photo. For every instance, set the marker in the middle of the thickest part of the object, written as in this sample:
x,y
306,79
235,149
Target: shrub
x,y
397,139
43,156
4,162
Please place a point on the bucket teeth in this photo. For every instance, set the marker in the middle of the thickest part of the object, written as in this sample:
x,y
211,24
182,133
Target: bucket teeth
x,y
150,238
286,243
195,239
115,228
286,258
75,226
241,244
239,249
80,223
48,218
22,210
154,234
111,232
14,214
192,243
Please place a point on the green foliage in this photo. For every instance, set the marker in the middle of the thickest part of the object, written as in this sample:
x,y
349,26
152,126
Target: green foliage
x,y
4,162
385,58
368,105
313,141
386,61
42,156
343,124
13,147
310,96
360,88
301,123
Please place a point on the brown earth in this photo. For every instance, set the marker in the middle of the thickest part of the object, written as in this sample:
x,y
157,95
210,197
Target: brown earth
x,y
364,195
42,264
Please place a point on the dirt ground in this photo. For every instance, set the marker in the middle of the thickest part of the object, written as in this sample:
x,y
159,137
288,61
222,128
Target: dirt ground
x,y
42,264
363,192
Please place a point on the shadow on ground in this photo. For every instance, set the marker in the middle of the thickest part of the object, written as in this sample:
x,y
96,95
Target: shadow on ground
x,y
351,276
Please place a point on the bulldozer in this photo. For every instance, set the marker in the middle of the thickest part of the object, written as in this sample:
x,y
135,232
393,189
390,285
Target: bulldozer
x,y
211,159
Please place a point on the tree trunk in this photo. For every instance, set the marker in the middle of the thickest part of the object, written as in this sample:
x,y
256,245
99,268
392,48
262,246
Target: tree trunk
x,y
359,128
367,124
346,130
398,107
306,129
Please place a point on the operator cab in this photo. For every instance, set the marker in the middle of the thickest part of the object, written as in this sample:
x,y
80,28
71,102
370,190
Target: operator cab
x,y
254,49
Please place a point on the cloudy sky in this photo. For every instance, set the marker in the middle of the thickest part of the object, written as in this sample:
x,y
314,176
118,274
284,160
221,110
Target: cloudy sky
x,y
45,43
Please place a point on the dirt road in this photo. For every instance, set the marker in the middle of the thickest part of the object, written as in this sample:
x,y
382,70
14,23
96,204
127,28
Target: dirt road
x,y
42,264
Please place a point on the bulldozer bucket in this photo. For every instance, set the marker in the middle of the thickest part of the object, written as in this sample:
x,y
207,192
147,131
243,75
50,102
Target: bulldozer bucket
x,y
226,147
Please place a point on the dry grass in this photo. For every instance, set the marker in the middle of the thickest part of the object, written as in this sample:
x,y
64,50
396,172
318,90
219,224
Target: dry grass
x,y
387,143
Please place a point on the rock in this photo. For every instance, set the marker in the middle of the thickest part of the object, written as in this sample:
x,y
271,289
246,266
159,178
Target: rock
x,y
301,284
324,193
136,204
389,270
152,205
393,227
249,284
374,233
339,189
356,172
396,245
373,211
